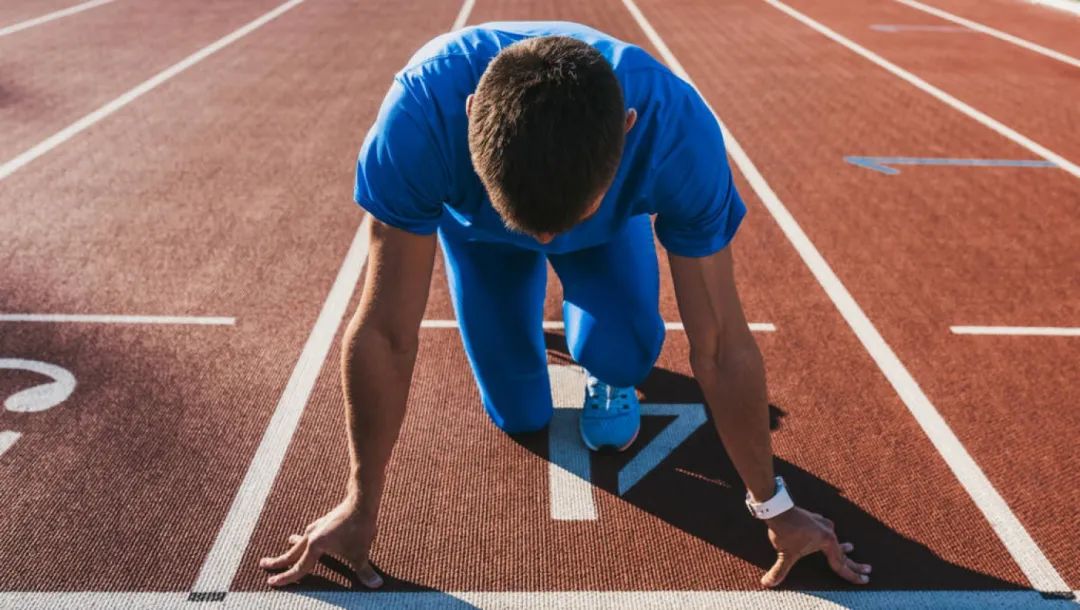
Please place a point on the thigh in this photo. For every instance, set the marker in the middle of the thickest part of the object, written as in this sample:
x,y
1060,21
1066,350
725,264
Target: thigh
x,y
498,296
611,303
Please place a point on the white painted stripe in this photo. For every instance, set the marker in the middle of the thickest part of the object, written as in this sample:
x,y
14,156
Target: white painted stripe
x,y
224,557
116,319
926,87
219,567
569,468
688,418
138,91
893,28
1044,331
989,31
1071,6
761,327
1029,557
7,439
463,15
570,600
71,10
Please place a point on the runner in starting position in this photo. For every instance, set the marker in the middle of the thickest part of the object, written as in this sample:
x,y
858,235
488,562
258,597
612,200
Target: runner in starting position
x,y
533,142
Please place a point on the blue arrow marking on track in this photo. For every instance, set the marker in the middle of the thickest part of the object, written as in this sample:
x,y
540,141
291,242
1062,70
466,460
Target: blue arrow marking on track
x,y
882,164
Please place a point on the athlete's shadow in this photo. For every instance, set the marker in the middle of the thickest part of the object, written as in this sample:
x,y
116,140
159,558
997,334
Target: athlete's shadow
x,y
697,490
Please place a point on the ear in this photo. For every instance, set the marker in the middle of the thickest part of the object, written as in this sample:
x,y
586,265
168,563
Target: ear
x,y
631,118
468,105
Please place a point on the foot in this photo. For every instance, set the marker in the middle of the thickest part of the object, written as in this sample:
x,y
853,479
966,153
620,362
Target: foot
x,y
611,417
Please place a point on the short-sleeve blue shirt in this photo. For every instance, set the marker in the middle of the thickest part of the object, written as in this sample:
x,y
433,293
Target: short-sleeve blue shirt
x,y
414,170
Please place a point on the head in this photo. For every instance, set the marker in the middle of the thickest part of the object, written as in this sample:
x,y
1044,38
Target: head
x,y
547,125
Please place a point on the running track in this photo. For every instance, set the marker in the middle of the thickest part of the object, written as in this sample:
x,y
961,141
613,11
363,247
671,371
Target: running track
x,y
188,449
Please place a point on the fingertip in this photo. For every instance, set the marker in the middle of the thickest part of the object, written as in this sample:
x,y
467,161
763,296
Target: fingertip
x,y
863,578
847,547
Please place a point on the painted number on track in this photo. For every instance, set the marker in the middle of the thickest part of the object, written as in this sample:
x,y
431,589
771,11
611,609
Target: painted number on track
x,y
569,472
41,397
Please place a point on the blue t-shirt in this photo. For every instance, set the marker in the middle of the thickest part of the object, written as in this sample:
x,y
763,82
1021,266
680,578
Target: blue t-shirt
x,y
414,170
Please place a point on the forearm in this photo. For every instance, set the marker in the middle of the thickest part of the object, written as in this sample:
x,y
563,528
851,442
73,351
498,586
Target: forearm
x,y
734,387
376,373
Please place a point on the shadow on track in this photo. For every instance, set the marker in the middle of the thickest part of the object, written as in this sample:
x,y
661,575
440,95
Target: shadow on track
x,y
697,490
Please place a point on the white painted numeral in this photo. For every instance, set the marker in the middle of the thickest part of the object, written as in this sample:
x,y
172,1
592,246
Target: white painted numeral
x,y
569,474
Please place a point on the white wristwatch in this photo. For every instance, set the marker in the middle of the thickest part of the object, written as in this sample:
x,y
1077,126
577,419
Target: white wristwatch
x,y
779,503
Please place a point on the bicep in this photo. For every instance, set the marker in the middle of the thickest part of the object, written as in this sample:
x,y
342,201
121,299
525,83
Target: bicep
x,y
397,281
709,304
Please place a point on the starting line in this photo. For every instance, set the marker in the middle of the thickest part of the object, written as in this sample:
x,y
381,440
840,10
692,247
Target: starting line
x,y
585,600
761,327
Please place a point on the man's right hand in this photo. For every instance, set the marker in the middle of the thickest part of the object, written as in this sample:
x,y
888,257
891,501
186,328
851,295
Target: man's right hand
x,y
345,532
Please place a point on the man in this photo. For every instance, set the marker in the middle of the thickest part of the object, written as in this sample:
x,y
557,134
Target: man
x,y
520,144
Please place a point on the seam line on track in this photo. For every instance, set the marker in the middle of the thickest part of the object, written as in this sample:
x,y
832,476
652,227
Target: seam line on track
x,y
87,121
989,31
983,118
221,563
1018,542
47,17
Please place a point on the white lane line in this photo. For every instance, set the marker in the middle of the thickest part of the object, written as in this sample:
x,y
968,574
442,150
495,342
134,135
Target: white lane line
x,y
989,31
116,319
138,91
894,28
463,15
761,327
570,600
221,563
7,439
1028,556
926,87
569,468
1071,6
71,10
1041,331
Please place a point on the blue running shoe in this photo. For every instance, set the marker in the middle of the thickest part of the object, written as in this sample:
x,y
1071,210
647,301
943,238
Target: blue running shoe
x,y
611,417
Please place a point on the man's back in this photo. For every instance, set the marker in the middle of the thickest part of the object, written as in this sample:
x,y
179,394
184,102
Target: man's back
x,y
669,165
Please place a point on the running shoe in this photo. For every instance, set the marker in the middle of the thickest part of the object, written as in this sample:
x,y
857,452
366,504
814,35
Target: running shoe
x,y
610,417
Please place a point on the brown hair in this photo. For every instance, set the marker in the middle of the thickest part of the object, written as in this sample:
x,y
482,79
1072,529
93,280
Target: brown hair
x,y
546,132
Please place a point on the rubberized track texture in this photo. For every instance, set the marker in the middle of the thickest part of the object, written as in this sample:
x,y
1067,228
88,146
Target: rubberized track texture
x,y
178,249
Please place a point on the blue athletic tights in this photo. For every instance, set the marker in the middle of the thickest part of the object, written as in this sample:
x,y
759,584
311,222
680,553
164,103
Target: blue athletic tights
x,y
611,309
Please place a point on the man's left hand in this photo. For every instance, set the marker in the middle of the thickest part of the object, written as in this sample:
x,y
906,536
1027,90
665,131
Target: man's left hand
x,y
797,533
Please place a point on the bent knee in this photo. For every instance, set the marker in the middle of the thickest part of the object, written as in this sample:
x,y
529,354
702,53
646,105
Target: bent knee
x,y
621,359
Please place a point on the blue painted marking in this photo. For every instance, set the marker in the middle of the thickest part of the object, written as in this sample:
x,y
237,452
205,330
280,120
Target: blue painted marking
x,y
883,164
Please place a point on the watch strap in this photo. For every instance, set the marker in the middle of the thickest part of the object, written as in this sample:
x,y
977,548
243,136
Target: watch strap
x,y
780,502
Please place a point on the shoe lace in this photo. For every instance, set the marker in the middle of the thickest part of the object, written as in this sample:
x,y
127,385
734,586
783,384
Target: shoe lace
x,y
605,396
